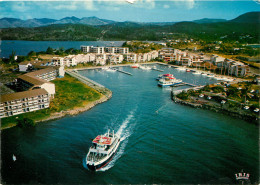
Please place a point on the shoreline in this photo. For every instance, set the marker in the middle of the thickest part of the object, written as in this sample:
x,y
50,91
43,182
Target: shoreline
x,y
219,109
77,110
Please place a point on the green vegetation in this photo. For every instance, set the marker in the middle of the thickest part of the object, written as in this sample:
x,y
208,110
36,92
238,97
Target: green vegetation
x,y
25,122
70,93
141,47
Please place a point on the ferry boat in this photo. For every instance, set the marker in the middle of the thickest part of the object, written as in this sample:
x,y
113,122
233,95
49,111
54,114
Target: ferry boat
x,y
169,81
103,150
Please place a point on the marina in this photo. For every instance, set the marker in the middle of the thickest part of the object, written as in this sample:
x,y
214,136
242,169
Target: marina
x,y
143,120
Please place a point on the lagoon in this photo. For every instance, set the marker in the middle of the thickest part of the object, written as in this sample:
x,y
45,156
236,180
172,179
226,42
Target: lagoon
x,y
163,142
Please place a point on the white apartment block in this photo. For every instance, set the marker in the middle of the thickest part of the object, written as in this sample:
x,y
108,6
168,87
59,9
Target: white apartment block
x,y
217,60
22,102
121,50
131,57
114,58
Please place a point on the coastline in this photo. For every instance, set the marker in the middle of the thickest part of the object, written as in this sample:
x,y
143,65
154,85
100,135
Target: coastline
x,y
105,95
219,109
77,110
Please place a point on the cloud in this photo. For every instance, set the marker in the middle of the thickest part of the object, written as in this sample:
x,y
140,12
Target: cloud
x,y
187,4
20,7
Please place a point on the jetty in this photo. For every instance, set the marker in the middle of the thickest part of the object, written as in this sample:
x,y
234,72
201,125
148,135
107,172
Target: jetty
x,y
100,88
123,72
185,83
157,69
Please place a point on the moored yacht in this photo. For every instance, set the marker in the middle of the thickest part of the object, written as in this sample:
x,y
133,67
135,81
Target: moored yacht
x,y
169,81
103,150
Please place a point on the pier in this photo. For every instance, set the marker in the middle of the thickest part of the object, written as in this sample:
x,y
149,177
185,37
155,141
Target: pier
x,y
123,72
157,69
185,83
100,88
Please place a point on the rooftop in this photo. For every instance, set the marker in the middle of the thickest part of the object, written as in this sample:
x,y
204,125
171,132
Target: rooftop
x,y
24,94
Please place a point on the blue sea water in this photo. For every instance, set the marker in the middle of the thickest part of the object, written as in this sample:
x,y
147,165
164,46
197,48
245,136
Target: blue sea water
x,y
21,47
163,142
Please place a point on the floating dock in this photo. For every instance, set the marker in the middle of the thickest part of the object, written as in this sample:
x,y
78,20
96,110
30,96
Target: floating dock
x,y
185,83
124,72
157,70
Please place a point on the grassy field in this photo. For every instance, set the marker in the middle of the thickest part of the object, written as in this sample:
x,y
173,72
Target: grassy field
x,y
70,93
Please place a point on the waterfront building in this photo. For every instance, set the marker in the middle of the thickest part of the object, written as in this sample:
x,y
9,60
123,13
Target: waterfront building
x,y
121,50
114,58
100,59
217,60
236,68
26,82
22,102
131,57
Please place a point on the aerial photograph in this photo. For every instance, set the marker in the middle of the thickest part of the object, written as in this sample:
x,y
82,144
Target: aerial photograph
x,y
129,91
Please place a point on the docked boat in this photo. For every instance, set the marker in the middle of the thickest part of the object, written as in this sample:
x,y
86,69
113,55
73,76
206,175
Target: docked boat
x,y
144,67
164,76
135,66
102,151
169,81
187,70
196,73
181,68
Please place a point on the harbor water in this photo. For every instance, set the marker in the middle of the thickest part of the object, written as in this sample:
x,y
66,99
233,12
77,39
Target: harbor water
x,y
162,142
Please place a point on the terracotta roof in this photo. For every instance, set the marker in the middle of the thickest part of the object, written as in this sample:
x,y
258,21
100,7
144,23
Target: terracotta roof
x,y
24,94
33,80
41,71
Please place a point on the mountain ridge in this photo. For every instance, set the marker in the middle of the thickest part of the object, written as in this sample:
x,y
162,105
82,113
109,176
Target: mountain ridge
x,y
249,17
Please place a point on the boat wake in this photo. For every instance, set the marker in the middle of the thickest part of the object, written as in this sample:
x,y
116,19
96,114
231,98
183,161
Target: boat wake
x,y
162,107
124,132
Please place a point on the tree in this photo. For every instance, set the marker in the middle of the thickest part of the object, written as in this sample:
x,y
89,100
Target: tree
x,y
25,122
50,51
12,57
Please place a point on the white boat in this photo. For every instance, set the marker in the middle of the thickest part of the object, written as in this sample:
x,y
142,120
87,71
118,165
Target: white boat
x,y
103,150
256,110
144,67
109,69
211,76
169,81
203,74
196,73
14,157
209,97
201,95
181,68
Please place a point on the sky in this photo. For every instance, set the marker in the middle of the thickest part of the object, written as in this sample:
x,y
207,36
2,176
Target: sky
x,y
120,10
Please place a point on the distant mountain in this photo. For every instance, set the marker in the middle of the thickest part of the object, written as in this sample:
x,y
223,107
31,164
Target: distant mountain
x,y
13,23
206,20
95,21
250,17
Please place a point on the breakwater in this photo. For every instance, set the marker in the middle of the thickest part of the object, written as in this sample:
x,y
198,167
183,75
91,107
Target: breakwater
x,y
100,88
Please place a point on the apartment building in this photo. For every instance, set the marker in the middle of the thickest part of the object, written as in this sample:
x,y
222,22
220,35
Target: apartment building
x,y
121,50
217,60
236,68
22,102
26,82
114,58
131,57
